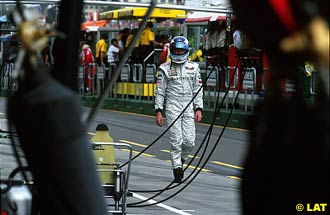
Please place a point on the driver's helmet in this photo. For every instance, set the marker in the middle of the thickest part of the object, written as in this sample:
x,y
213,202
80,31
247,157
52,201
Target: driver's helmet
x,y
179,43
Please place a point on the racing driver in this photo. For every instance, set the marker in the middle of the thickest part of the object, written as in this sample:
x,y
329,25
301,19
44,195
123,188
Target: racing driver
x,y
178,82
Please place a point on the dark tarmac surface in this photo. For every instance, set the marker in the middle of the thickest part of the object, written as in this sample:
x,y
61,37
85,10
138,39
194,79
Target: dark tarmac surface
x,y
211,193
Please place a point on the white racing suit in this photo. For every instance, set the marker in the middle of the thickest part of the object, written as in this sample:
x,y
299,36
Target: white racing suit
x,y
177,84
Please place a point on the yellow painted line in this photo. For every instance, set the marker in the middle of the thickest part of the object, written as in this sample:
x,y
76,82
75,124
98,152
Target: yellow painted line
x,y
136,152
234,177
133,143
193,167
220,126
91,133
123,112
138,114
226,164
191,156
164,150
2,113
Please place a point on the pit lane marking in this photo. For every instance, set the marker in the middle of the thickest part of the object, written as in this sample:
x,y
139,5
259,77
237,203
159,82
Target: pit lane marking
x,y
134,143
168,151
227,165
193,167
149,116
234,177
151,201
136,152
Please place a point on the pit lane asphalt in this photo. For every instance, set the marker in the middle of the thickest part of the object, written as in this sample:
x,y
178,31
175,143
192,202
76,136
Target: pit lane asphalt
x,y
210,193
141,130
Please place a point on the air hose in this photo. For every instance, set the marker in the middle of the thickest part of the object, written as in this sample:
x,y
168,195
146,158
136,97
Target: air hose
x,y
203,165
208,134
168,128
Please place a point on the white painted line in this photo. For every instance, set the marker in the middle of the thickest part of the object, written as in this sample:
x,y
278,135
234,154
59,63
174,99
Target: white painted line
x,y
161,205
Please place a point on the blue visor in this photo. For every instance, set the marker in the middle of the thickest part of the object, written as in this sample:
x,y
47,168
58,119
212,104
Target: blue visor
x,y
180,45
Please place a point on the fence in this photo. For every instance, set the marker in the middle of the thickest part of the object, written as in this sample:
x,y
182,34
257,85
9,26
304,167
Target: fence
x,y
137,82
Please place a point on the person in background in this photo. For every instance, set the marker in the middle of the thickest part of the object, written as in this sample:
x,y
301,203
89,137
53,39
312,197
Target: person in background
x,y
164,56
122,37
238,39
101,50
87,61
45,53
212,37
197,56
221,38
113,55
147,43
134,58
178,82
114,51
10,53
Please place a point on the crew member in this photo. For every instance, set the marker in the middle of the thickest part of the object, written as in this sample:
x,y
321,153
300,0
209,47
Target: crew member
x,y
147,43
134,58
178,81
87,61
164,56
101,50
113,57
113,52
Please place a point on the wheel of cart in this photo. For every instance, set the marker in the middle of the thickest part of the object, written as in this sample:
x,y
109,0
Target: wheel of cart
x,y
114,178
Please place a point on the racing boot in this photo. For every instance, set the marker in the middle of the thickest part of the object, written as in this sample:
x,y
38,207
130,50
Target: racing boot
x,y
182,161
178,175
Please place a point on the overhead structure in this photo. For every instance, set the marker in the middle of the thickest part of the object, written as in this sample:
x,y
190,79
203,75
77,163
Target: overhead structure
x,y
111,14
92,26
139,12
205,17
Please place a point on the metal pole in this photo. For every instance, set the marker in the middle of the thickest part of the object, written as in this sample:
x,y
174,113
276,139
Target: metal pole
x,y
150,54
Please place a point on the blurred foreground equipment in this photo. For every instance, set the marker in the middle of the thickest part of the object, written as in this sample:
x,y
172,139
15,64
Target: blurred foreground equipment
x,y
288,159
47,118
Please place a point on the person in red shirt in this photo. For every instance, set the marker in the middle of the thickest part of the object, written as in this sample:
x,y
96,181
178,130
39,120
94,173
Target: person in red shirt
x,y
164,56
87,61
